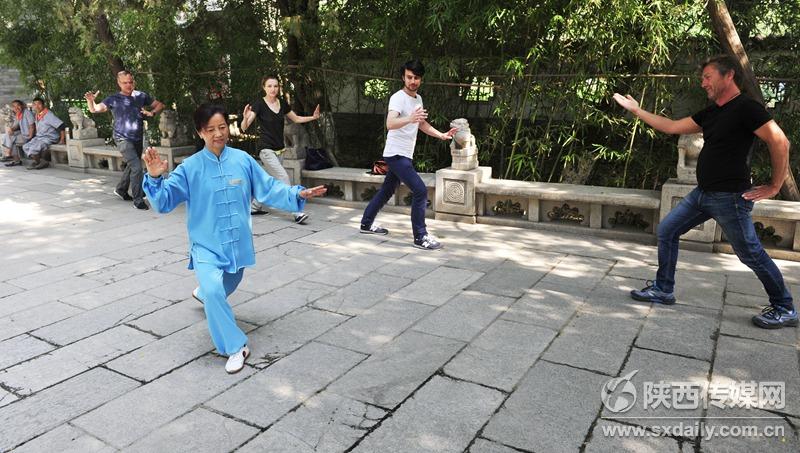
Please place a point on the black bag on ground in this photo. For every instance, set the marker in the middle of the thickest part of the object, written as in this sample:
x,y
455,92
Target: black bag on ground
x,y
317,159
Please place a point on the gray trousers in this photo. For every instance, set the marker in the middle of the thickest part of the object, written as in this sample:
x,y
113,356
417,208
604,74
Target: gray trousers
x,y
273,164
133,174
13,143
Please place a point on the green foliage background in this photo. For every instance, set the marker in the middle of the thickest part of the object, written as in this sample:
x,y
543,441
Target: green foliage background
x,y
552,66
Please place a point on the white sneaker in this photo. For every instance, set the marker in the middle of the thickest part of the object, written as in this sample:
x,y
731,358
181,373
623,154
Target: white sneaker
x,y
194,294
236,361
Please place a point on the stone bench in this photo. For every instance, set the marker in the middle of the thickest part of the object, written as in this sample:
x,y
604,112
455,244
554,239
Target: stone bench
x,y
356,184
58,155
95,154
779,229
568,205
175,155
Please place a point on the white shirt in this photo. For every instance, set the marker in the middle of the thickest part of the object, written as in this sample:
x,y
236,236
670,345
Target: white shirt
x,y
400,142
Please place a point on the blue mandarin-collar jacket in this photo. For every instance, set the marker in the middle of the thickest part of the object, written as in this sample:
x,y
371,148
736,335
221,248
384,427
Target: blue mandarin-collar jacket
x,y
217,192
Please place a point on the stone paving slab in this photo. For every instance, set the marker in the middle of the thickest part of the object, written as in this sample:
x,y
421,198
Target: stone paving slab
x,y
552,409
439,286
501,355
199,431
162,356
785,440
486,446
443,416
348,270
543,306
578,271
277,275
63,363
20,349
325,422
282,337
171,318
746,300
391,374
606,438
521,314
269,394
19,302
48,409
413,265
655,367
53,275
736,322
361,295
377,326
33,318
594,342
263,309
697,327
94,321
464,316
744,360
104,295
65,439
509,279
6,397
125,420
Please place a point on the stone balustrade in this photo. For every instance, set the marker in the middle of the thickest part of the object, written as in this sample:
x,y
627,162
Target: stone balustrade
x,y
470,194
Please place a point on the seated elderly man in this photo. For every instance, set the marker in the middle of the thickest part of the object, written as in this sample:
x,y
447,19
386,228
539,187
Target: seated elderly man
x,y
18,132
49,130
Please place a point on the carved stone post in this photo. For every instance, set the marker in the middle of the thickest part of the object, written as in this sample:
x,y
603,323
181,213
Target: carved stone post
x,y
702,236
456,185
295,140
82,135
174,136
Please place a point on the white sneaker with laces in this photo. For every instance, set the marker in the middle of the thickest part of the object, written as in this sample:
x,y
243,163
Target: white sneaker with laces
x,y
236,361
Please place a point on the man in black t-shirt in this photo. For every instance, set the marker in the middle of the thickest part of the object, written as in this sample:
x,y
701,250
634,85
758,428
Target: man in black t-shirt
x,y
724,191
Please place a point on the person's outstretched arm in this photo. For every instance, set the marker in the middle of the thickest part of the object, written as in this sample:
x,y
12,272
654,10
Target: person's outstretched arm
x,y
164,194
426,127
659,123
272,192
94,107
303,119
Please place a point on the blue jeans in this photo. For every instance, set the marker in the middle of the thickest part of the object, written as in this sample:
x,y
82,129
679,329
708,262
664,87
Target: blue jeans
x,y
401,170
733,214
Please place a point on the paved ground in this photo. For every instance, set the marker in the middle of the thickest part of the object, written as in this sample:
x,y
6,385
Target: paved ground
x,y
501,342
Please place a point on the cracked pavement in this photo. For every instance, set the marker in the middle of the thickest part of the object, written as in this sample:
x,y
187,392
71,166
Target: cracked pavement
x,y
500,342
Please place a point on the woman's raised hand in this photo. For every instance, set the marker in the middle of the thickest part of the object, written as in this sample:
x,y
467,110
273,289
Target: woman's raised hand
x,y
155,166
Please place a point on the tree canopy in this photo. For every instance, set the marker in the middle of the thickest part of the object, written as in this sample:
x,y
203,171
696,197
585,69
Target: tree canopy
x,y
533,77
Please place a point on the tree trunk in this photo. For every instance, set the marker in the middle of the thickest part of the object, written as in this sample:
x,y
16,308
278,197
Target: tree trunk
x,y
309,92
730,42
107,39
